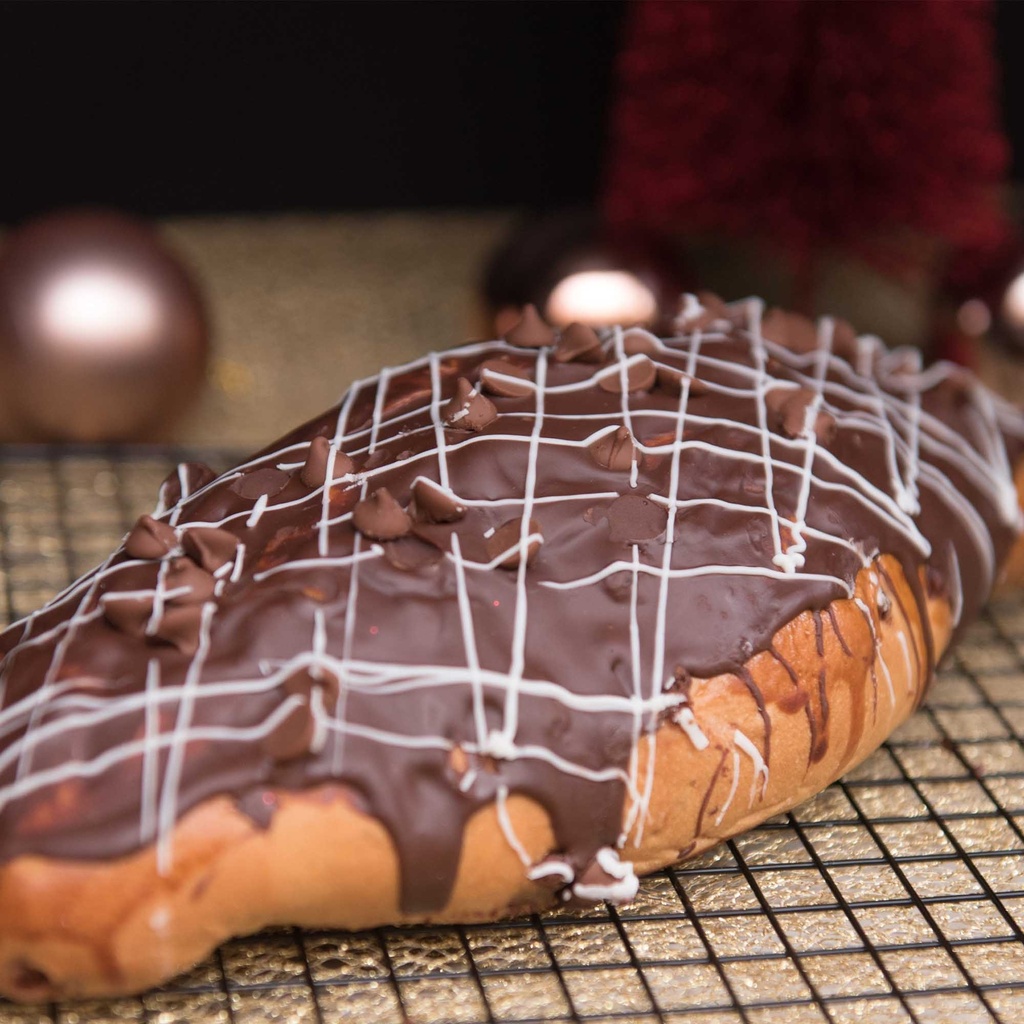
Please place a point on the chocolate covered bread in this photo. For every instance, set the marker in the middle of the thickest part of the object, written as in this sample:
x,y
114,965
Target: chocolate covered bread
x,y
507,627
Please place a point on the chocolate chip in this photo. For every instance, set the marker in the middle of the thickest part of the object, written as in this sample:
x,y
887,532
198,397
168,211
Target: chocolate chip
x,y
380,517
508,536
789,408
378,459
844,340
260,482
292,737
532,331
258,805
314,470
641,374
468,409
636,341
791,330
192,475
671,380
179,626
209,546
410,554
802,335
494,378
129,615
184,574
633,518
681,680
435,503
615,451
150,539
578,344
701,311
304,682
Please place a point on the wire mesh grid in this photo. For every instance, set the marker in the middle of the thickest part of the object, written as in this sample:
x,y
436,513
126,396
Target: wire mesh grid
x,y
895,895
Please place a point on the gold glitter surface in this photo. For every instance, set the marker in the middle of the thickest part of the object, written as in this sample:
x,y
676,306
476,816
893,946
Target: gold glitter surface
x,y
303,305
895,896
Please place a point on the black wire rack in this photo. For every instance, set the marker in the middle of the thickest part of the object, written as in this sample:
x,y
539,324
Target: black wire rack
x,y
895,895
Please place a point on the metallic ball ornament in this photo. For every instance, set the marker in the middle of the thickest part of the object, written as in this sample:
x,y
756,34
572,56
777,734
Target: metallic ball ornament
x,y
102,331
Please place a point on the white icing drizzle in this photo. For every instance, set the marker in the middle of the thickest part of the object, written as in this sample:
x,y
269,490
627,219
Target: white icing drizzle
x,y
743,743
683,717
734,783
551,868
150,763
508,830
622,883
167,812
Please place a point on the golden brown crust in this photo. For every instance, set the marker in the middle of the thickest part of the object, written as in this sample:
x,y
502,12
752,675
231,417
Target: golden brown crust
x,y
834,686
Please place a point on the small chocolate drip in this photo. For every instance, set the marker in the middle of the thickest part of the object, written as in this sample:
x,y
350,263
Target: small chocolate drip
x,y
150,539
755,691
707,793
380,517
682,680
532,331
837,632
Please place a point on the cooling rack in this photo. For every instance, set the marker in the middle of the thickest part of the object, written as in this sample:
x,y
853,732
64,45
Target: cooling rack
x,y
895,895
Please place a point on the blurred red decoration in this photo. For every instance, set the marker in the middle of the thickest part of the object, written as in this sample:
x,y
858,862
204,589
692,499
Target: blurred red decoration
x,y
102,331
811,124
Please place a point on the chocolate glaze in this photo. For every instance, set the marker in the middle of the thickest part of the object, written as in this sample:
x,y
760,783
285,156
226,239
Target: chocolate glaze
x,y
296,650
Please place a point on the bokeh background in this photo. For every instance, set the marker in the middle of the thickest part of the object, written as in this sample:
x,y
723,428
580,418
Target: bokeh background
x,y
352,184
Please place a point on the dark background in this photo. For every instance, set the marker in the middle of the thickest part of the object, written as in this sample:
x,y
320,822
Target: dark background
x,y
178,108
